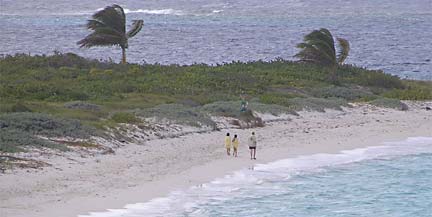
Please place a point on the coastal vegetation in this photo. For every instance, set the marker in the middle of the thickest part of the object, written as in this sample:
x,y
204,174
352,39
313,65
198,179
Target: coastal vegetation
x,y
109,29
65,95
26,129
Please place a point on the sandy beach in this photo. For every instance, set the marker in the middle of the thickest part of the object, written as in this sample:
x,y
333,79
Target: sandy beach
x,y
140,172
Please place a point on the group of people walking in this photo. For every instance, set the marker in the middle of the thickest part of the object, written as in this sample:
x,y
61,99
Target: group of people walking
x,y
234,144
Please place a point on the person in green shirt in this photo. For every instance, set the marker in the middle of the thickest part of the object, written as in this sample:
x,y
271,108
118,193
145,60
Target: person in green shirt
x,y
243,103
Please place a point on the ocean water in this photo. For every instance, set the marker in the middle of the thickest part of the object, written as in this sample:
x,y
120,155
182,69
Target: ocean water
x,y
392,180
392,35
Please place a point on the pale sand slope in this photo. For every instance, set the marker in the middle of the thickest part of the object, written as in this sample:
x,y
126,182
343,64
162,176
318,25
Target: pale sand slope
x,y
137,173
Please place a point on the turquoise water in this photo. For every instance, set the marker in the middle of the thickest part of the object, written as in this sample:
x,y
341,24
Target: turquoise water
x,y
389,180
386,187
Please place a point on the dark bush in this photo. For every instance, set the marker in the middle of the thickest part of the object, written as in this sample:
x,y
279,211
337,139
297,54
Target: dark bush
x,y
341,92
317,104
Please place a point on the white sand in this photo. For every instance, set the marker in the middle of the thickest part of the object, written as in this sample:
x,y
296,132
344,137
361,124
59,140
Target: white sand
x,y
137,173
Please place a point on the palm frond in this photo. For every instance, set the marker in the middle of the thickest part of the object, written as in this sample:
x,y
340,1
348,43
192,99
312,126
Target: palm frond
x,y
344,48
99,39
94,24
318,47
323,49
112,16
108,31
327,33
136,27
312,53
325,40
322,34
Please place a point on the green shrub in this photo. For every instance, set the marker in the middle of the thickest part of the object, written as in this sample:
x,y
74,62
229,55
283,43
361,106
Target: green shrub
x,y
380,79
272,98
45,125
271,108
416,93
232,108
56,60
178,114
390,103
309,103
317,104
341,92
223,108
369,78
125,117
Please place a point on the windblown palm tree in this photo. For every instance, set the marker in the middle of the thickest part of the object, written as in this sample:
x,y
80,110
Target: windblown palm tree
x,y
319,47
109,29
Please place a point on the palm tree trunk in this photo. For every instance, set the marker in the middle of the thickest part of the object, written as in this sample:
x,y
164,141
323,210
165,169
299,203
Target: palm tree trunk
x,y
333,74
123,55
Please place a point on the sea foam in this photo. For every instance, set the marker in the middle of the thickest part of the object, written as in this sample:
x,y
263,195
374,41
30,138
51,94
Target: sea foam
x,y
167,11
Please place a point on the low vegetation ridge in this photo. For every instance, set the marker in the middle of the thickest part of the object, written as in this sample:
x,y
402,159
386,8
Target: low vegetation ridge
x,y
65,95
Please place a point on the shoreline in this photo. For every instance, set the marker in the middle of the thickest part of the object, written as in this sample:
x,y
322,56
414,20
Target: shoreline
x,y
142,172
169,205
